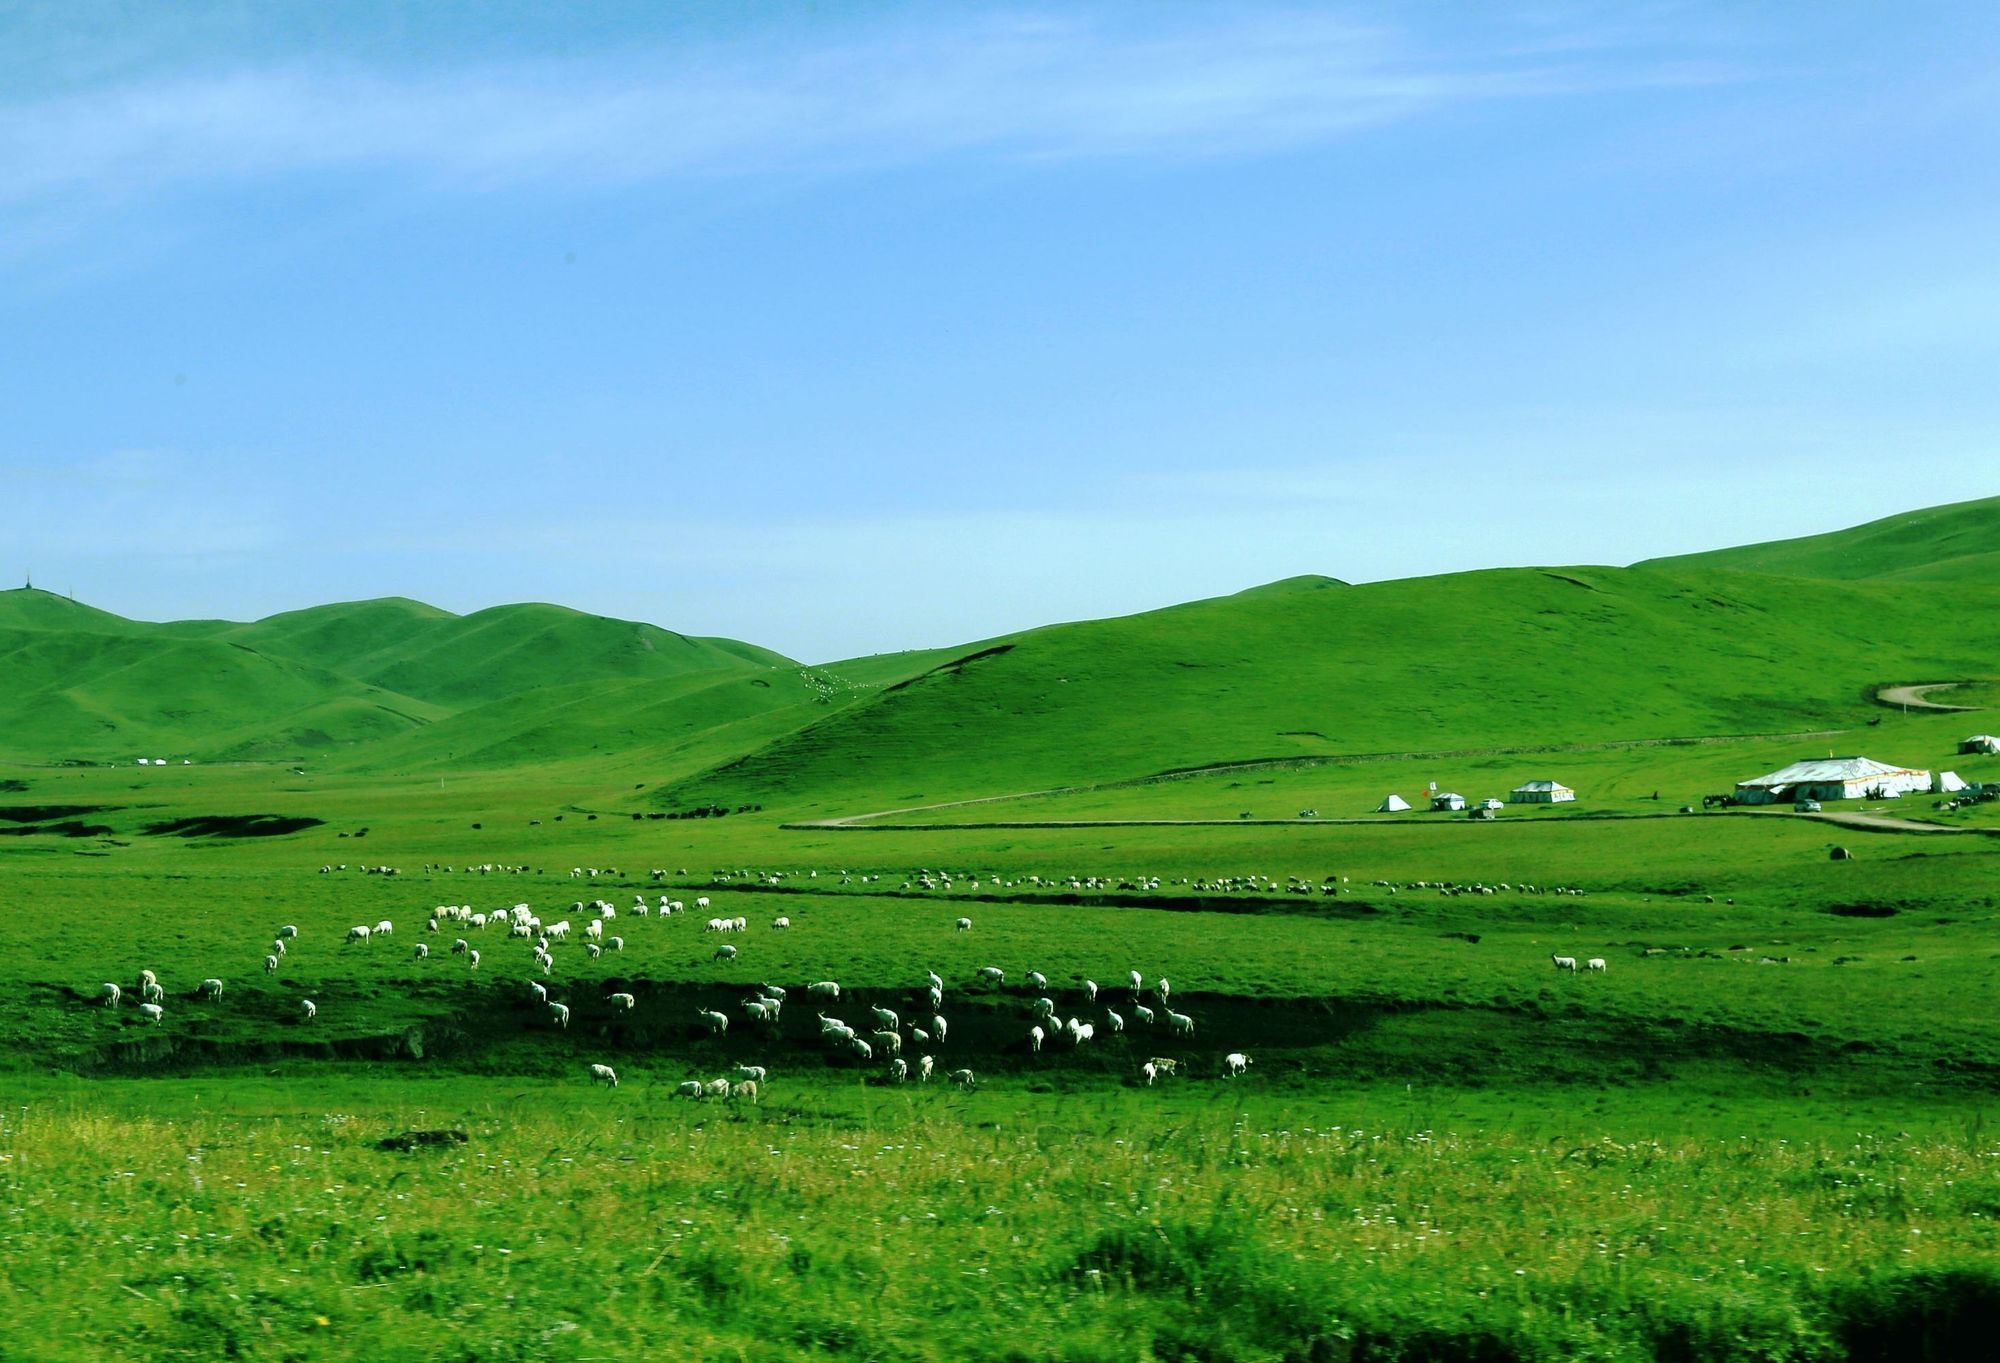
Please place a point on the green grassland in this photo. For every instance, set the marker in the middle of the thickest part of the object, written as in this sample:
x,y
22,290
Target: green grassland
x,y
1763,1131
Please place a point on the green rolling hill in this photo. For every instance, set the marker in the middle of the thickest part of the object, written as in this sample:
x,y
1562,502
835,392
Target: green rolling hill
x,y
1512,657
83,684
1763,639
1956,543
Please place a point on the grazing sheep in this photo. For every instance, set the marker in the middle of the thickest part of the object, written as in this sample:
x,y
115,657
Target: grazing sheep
x,y
460,946
1594,963
109,994
152,992
270,966
716,1023
1138,982
689,1089
725,952
559,1015
624,1002
384,928
604,1074
1037,980
862,1050
992,974
592,950
308,1010
152,1012
965,1079
1143,1013
824,989
1235,1063
924,1067
357,933
742,1090
211,989
1180,1023
899,1070
751,1072
1035,1038
920,1036
423,951
935,981
541,995
963,925
1113,1021
1564,962
781,922
702,902
289,930
938,1029
472,959
1149,1071
278,946
1090,991
886,1017
614,943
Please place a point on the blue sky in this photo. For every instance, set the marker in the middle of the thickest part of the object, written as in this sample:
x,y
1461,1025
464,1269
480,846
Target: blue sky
x,y
844,328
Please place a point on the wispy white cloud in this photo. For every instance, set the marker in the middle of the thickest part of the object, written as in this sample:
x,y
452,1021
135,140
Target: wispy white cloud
x,y
1190,82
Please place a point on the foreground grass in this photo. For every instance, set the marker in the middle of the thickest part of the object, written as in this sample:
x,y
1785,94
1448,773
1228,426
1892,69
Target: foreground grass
x,y
942,1226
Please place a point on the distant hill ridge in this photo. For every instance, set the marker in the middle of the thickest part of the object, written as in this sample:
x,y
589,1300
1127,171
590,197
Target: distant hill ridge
x,y
1955,543
1756,639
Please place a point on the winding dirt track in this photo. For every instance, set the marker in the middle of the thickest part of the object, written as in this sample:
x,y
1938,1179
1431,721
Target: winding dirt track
x,y
1912,697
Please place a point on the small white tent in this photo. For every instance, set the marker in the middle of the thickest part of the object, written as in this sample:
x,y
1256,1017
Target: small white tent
x,y
1946,782
1394,804
1449,801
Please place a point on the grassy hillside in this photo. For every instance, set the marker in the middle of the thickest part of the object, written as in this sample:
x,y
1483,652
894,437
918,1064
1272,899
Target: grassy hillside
x,y
1467,661
83,683
1957,543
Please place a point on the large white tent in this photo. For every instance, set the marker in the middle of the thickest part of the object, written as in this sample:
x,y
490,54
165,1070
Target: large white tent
x,y
1540,793
1980,743
1832,778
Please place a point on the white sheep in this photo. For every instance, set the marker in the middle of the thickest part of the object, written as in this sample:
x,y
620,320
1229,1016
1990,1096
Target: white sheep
x,y
992,974
604,1074
423,950
1113,1021
938,1029
308,1010
1037,980
1180,1023
1235,1063
211,989
1564,962
886,1017
152,992
861,1049
963,925
460,946
1149,1071
1035,1038
1143,1013
537,991
614,943
1090,991
934,980
725,952
559,1015
890,1042
472,958
824,989
289,930
270,966
924,1067
756,1072
358,933
624,1002
781,922
702,902
384,928
152,1012
965,1079
716,1022
744,1089
688,1089
1594,963
109,994
899,1070
278,946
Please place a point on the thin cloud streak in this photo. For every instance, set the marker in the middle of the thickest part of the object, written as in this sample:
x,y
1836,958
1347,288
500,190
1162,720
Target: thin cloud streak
x,y
1032,90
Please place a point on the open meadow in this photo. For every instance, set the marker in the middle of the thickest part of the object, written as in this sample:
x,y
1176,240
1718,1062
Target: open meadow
x,y
1762,1130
